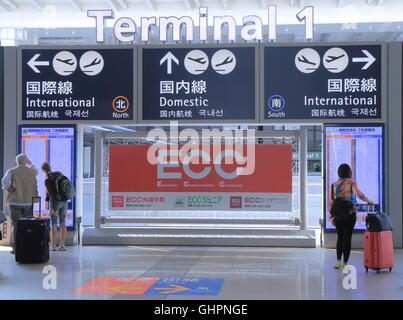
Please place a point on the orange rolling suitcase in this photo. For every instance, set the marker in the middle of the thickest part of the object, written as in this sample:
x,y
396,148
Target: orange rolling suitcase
x,y
378,243
378,250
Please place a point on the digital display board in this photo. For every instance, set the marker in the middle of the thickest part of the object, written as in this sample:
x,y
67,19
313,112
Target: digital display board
x,y
322,82
212,83
360,146
77,84
55,145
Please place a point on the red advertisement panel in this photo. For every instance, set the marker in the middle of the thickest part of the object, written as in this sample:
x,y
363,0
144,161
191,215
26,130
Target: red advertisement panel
x,y
134,182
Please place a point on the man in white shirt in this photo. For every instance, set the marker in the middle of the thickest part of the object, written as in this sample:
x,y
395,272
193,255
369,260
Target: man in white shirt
x,y
21,185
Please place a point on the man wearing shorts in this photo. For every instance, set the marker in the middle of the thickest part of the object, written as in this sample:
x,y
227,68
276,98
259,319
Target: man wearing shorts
x,y
57,207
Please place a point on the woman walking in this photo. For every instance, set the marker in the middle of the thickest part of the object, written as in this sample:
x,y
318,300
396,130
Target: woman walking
x,y
343,212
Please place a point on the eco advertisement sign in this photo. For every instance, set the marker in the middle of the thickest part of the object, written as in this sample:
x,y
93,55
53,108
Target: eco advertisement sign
x,y
214,183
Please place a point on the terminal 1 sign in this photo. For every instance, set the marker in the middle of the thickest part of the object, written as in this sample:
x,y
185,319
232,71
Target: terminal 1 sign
x,y
125,28
76,84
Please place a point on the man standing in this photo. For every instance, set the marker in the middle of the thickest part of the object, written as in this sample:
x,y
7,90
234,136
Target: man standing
x,y
21,185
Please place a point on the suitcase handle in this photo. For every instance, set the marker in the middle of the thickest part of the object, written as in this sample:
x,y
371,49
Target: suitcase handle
x,y
373,208
40,202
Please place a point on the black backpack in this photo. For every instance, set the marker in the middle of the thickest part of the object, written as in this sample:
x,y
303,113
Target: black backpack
x,y
64,188
341,209
378,222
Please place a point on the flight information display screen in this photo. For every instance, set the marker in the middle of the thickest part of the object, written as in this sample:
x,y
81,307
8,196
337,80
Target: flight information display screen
x,y
361,147
54,145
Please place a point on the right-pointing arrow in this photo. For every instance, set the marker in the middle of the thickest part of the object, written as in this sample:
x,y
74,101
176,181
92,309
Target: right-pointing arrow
x,y
369,59
174,288
169,57
33,63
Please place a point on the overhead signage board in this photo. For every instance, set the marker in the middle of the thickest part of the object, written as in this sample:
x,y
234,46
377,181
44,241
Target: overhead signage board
x,y
76,84
316,82
205,83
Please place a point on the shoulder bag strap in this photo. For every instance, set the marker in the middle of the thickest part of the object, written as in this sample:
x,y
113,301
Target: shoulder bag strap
x,y
333,193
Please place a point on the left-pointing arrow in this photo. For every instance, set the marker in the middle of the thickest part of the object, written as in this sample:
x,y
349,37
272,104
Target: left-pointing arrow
x,y
33,63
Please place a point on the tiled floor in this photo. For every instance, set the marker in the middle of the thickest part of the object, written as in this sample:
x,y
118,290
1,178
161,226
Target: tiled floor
x,y
246,273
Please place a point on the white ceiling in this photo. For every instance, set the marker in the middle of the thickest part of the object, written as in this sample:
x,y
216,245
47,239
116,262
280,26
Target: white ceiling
x,y
124,5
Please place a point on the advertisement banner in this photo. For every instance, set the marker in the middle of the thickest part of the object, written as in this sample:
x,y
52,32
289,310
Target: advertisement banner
x,y
136,184
77,84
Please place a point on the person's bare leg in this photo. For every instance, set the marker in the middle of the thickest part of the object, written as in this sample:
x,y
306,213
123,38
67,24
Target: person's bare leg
x,y
63,232
54,231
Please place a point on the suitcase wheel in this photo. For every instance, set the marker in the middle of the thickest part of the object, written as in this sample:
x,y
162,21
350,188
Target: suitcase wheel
x,y
390,269
366,269
378,270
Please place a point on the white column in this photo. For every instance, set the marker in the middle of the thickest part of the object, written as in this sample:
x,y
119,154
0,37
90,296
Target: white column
x,y
303,160
10,122
79,171
393,141
99,141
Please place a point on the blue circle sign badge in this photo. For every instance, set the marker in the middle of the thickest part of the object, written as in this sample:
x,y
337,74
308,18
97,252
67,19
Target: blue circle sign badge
x,y
276,103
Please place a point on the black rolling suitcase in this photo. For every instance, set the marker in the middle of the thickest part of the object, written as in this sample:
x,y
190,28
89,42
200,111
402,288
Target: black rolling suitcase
x,y
32,239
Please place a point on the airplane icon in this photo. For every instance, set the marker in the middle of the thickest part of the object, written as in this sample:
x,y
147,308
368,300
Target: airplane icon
x,y
305,60
64,63
226,61
223,61
333,58
93,63
67,61
198,60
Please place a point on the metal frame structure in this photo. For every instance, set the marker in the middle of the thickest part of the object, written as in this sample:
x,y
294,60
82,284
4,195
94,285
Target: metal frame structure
x,y
99,220
391,116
